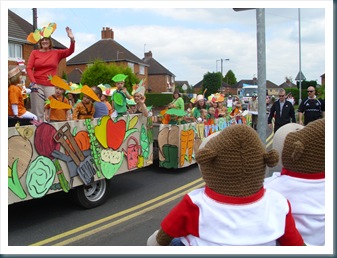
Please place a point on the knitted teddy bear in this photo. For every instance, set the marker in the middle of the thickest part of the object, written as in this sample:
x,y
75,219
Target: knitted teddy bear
x,y
233,208
302,179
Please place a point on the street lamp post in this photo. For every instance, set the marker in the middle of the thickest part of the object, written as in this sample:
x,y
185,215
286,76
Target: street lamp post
x,y
216,65
227,59
261,67
299,46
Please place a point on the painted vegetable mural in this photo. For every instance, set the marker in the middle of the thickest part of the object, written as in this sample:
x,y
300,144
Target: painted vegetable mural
x,y
74,155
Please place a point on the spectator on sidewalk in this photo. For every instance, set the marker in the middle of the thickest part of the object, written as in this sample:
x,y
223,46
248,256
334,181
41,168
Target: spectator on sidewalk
x,y
282,111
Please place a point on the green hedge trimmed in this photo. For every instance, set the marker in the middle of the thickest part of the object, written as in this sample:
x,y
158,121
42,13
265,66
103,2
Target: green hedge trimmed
x,y
161,99
158,99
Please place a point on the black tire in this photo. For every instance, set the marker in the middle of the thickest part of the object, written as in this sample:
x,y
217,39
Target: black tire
x,y
93,195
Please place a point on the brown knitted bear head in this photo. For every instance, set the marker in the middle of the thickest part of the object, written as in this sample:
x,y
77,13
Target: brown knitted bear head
x,y
233,161
304,150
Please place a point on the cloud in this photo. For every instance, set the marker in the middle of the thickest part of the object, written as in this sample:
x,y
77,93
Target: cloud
x,y
188,41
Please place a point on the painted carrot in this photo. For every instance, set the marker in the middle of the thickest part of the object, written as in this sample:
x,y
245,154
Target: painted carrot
x,y
190,144
183,146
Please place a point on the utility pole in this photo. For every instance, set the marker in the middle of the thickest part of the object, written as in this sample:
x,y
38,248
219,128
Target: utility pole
x,y
221,67
261,69
299,46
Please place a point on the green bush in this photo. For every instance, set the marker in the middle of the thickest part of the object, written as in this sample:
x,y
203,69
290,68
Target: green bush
x,y
158,99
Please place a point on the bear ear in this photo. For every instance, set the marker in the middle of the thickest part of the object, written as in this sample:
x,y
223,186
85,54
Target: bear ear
x,y
297,150
271,158
205,155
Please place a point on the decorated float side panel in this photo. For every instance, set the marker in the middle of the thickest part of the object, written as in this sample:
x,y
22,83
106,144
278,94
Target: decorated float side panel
x,y
178,144
48,157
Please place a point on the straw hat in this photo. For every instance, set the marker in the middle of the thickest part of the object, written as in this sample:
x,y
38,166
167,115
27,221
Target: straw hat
x,y
86,90
14,71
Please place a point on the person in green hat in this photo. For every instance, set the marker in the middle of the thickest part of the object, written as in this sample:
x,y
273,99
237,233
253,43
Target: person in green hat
x,y
120,95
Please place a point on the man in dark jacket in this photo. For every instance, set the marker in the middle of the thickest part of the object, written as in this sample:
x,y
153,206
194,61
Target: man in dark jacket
x,y
282,110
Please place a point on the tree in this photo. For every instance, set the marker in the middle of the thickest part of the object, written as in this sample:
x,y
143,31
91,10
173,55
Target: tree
x,y
230,78
306,84
101,73
212,82
321,91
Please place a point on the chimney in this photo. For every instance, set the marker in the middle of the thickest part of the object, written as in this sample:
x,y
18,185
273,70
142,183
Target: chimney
x,y
148,54
103,33
107,33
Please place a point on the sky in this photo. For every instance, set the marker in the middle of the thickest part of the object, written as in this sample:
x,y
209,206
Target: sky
x,y
191,42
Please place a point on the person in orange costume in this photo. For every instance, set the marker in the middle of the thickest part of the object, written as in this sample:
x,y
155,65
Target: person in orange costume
x,y
16,106
61,112
85,109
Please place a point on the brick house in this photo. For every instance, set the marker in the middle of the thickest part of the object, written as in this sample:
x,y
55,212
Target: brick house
x,y
19,47
109,51
160,79
323,79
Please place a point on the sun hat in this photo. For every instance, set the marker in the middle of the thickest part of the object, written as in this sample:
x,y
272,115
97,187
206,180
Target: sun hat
x,y
74,88
108,92
130,102
119,77
199,97
39,34
86,90
14,71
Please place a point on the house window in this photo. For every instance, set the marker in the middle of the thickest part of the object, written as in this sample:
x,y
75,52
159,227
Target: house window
x,y
142,69
132,66
14,51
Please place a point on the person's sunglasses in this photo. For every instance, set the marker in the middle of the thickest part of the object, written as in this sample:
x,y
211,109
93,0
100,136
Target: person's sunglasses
x,y
281,96
310,91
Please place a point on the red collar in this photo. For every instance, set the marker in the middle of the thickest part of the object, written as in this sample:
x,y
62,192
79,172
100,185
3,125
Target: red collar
x,y
232,199
317,175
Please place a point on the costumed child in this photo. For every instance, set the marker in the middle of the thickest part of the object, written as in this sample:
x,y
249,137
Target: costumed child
x,y
16,105
233,209
120,95
57,107
236,113
131,104
105,98
73,97
302,179
85,109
